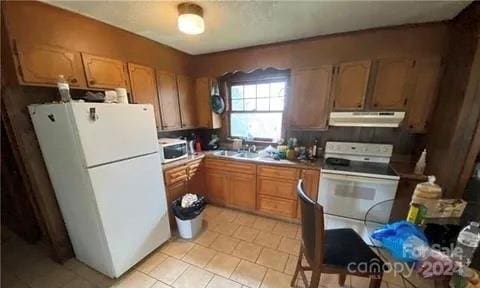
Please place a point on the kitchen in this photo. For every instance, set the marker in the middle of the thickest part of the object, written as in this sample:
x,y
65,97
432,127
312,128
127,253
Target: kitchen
x,y
409,71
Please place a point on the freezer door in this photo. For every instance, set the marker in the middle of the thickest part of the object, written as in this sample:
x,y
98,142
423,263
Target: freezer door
x,y
132,205
112,132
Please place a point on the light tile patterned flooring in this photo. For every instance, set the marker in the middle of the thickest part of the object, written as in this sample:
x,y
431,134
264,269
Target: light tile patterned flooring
x,y
234,250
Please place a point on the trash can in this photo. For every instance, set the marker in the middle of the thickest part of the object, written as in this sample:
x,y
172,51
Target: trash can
x,y
189,219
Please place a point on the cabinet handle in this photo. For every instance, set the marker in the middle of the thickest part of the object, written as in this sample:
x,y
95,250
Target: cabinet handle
x,y
375,104
73,80
411,126
92,82
359,105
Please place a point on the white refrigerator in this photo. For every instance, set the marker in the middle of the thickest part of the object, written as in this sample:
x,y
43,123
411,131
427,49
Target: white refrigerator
x,y
105,168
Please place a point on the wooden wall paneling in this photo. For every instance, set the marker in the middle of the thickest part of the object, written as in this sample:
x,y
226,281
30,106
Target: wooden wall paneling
x,y
103,72
310,98
168,99
391,83
144,87
186,98
41,64
427,40
15,101
18,210
350,85
422,96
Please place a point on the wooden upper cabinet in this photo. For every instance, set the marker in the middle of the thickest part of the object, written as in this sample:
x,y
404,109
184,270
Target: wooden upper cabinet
x,y
186,98
391,83
424,92
144,87
42,64
205,116
309,107
104,72
168,96
350,85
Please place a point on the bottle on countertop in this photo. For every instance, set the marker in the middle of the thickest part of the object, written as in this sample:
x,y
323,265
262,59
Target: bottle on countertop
x,y
63,89
198,144
315,149
420,167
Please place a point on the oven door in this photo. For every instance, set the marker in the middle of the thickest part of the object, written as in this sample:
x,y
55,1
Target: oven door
x,y
352,196
174,152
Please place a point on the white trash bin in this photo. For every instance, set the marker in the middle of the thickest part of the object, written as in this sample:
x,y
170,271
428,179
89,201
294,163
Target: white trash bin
x,y
188,229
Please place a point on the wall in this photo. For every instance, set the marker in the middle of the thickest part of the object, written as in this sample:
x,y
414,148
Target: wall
x,y
458,109
428,40
41,23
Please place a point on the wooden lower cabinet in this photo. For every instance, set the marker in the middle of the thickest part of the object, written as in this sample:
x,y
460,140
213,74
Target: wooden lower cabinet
x,y
241,191
277,206
277,187
216,182
311,181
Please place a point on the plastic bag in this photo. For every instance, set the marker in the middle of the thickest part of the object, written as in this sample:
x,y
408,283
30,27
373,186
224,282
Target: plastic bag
x,y
404,240
188,199
188,213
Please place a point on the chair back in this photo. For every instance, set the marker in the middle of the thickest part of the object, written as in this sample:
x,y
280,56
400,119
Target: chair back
x,y
311,215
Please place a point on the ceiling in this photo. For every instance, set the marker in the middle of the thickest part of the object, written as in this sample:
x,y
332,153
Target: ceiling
x,y
236,24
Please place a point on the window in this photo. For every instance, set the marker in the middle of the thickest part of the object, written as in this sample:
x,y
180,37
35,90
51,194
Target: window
x,y
257,109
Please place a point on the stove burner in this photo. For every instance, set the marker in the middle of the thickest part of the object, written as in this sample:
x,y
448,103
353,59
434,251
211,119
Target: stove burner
x,y
337,161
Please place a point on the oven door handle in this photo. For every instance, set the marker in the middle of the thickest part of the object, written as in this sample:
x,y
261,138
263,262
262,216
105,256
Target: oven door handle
x,y
356,179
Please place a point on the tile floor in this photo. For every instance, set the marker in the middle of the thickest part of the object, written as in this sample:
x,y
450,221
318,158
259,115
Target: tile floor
x,y
235,249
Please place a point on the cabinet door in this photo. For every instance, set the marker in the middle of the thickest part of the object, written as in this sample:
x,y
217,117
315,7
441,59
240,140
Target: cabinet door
x,y
205,116
196,178
391,83
241,192
311,180
216,186
311,90
104,72
186,97
42,64
168,96
144,87
351,81
422,98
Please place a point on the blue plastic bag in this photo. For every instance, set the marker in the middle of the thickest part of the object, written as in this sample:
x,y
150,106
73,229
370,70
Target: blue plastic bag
x,y
404,240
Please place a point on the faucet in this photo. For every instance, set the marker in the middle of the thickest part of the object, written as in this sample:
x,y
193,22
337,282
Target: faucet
x,y
252,148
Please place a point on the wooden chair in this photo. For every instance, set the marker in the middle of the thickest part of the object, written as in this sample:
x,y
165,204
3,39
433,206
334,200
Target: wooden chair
x,y
331,251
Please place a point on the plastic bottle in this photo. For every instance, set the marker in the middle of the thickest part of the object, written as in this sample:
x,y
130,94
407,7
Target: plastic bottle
x,y
420,167
467,242
63,89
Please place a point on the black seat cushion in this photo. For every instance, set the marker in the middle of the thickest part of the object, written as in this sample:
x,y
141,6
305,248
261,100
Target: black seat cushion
x,y
343,246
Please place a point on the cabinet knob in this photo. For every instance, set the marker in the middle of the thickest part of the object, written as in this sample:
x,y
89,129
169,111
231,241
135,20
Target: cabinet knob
x,y
375,104
411,126
92,82
359,105
73,80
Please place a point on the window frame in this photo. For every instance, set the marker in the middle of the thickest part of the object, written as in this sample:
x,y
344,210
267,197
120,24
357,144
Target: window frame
x,y
246,79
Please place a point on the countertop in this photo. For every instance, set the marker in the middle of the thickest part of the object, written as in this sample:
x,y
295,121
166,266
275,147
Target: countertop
x,y
183,161
405,170
317,164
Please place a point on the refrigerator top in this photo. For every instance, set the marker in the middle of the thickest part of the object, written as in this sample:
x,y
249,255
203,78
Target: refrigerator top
x,y
107,132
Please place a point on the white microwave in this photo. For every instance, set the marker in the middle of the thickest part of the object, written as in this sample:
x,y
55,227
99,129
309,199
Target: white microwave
x,y
172,149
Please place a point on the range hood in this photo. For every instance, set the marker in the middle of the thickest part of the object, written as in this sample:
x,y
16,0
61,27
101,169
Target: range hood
x,y
366,119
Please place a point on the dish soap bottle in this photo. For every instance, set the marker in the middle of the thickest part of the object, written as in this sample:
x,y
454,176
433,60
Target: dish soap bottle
x,y
420,167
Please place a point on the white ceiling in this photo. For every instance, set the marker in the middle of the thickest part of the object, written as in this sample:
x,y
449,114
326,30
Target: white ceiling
x,y
236,24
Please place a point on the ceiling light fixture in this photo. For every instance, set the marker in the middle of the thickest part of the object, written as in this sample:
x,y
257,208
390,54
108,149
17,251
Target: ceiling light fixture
x,y
190,18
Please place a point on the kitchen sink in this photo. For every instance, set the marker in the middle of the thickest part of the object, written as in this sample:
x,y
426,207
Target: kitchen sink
x,y
249,155
226,153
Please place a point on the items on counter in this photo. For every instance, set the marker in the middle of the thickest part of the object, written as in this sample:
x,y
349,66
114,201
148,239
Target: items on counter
x,y
63,89
467,243
314,149
213,144
421,163
122,96
94,97
197,143
291,153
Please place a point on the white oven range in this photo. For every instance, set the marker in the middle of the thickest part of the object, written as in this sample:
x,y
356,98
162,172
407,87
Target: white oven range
x,y
355,177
